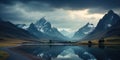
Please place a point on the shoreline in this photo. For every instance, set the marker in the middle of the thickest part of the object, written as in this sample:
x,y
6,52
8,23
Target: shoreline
x,y
15,54
30,56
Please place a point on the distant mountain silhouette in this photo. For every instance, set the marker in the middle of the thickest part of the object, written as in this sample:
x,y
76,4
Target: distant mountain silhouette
x,y
23,26
106,27
82,32
67,33
9,30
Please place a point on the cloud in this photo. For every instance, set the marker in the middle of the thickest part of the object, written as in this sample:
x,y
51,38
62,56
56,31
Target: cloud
x,y
50,5
60,18
68,54
66,14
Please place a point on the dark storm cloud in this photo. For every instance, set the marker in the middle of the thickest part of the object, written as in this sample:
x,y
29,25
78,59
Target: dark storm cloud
x,y
94,6
82,4
7,12
66,4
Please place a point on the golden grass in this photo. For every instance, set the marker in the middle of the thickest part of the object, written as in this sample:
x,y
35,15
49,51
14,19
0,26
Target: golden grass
x,y
3,55
112,40
11,42
108,41
114,37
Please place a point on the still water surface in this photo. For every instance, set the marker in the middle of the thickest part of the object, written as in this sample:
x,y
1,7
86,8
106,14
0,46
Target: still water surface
x,y
56,52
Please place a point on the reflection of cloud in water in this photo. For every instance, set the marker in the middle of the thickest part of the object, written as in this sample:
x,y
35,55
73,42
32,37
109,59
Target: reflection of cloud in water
x,y
68,54
89,56
41,54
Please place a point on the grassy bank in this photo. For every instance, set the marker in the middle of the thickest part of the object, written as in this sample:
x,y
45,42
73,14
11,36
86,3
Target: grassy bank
x,y
3,55
107,41
10,42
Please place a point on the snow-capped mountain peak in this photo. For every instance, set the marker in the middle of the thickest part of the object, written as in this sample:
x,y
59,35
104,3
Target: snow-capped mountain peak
x,y
42,25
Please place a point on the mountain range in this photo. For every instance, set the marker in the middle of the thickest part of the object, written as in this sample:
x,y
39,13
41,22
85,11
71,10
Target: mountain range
x,y
41,30
44,30
108,26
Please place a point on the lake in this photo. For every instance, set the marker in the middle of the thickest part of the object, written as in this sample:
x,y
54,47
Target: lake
x,y
66,52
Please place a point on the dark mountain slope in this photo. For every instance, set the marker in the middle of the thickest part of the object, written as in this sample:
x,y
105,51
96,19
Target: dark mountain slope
x,y
9,30
106,27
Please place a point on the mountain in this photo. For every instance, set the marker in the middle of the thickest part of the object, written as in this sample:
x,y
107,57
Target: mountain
x,y
9,30
23,26
67,33
82,32
34,30
106,27
43,29
108,21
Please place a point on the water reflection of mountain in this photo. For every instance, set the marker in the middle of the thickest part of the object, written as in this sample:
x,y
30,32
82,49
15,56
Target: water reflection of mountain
x,y
71,52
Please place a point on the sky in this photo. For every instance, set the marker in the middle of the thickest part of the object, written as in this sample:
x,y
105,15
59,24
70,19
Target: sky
x,y
69,15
